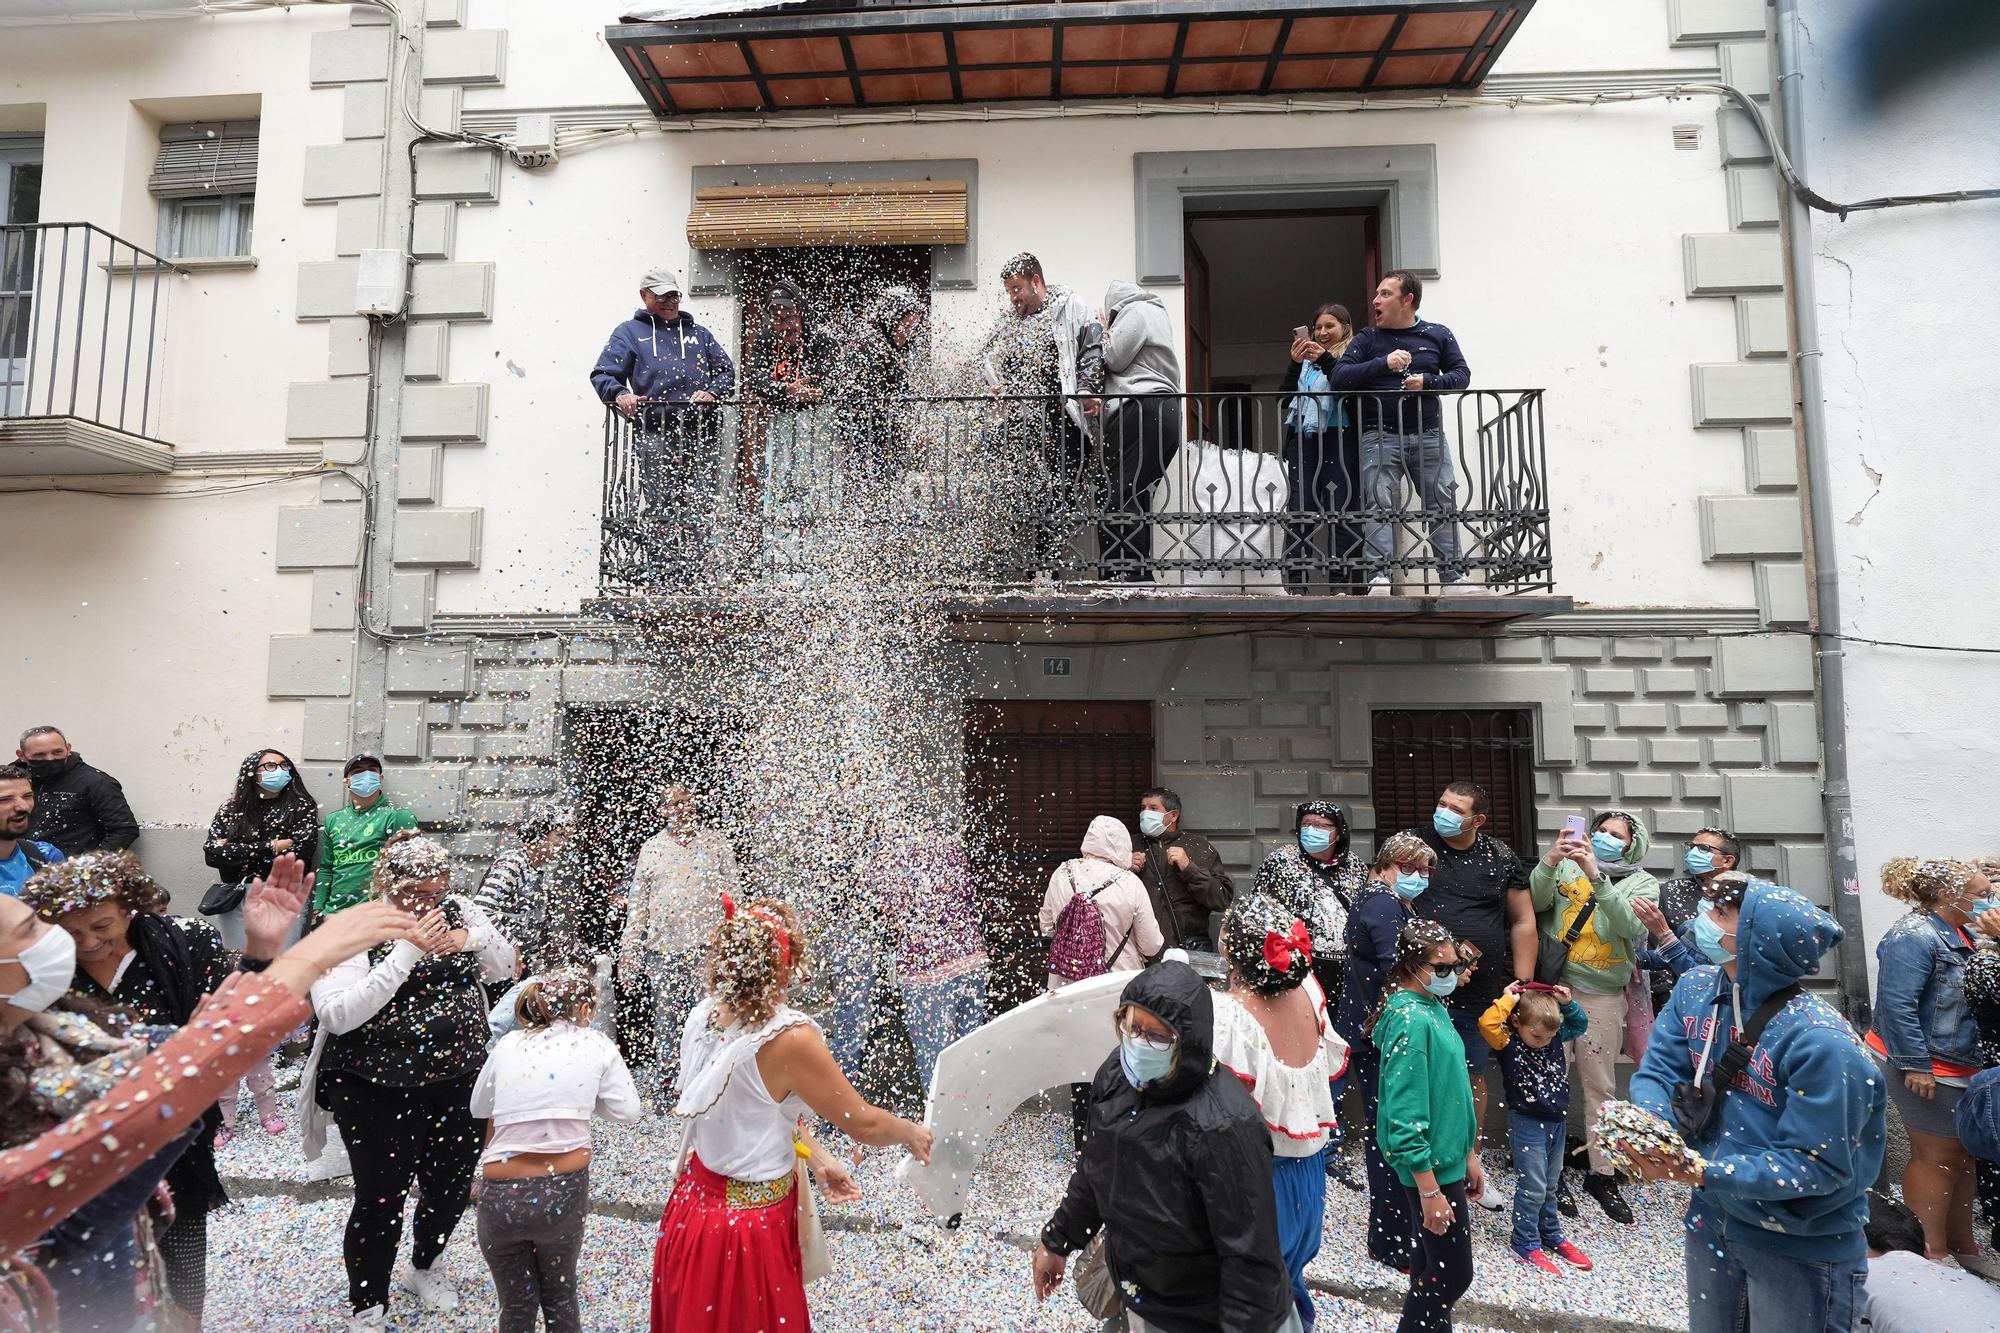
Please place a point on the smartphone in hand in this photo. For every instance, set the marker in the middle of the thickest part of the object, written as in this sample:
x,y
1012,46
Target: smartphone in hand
x,y
1573,828
1301,334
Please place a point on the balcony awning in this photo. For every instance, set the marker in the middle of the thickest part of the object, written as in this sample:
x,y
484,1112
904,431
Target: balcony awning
x,y
747,217
827,54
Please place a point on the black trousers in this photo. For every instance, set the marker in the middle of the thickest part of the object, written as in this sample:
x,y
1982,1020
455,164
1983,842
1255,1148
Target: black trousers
x,y
397,1136
679,449
1443,1269
1140,439
1389,1221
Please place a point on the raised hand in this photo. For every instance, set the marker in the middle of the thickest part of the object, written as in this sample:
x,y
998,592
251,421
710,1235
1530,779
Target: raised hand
x,y
273,904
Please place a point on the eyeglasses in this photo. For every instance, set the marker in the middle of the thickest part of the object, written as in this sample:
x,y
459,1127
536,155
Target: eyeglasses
x,y
1413,867
1446,969
278,766
1152,1041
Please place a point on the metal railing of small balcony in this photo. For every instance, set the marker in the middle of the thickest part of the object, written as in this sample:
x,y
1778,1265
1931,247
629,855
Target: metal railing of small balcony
x,y
1349,493
81,316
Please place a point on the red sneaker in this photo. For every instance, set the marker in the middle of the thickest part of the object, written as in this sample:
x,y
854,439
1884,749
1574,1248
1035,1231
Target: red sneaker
x,y
1572,1255
1538,1259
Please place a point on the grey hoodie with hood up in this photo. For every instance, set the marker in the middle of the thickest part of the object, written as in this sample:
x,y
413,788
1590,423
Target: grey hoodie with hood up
x,y
1138,344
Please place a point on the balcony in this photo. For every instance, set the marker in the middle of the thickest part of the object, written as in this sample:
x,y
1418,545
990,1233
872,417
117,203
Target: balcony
x,y
82,318
1090,513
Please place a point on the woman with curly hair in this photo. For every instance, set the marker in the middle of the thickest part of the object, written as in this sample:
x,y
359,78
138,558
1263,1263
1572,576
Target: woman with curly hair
x,y
1272,1030
1424,1121
157,970
729,1255
1927,1045
402,1037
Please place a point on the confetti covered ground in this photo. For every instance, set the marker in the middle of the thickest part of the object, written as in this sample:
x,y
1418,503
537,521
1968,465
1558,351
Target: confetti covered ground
x,y
276,1260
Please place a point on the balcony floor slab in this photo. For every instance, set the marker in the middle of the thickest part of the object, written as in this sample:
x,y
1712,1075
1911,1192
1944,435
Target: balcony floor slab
x,y
73,447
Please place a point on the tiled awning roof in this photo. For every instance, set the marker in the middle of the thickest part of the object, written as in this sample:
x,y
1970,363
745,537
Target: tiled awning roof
x,y
851,53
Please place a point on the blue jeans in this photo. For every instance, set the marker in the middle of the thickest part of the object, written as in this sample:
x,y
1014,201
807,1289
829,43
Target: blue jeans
x,y
853,967
1538,1161
939,1013
1732,1290
1422,456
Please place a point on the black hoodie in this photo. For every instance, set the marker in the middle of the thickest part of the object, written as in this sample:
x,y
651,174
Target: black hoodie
x,y
1181,1173
81,809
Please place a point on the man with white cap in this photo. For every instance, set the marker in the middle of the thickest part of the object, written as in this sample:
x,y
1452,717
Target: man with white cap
x,y
665,372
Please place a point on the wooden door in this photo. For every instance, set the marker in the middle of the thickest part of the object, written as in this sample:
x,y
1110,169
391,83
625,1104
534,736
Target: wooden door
x,y
1036,774
1417,752
1200,321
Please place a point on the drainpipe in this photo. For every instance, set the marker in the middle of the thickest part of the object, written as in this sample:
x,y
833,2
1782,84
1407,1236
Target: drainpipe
x,y
1821,557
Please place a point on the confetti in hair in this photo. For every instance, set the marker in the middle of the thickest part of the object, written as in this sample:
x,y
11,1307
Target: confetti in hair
x,y
753,956
408,859
1403,847
562,996
1926,882
89,880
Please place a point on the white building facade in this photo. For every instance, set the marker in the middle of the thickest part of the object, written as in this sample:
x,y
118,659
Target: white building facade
x,y
338,534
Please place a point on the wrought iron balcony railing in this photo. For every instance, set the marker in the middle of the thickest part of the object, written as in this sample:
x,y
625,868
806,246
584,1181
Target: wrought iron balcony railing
x,y
1416,493
81,320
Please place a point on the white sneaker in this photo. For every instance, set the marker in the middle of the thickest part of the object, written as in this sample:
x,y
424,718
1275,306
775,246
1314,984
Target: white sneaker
x,y
1463,588
430,1287
1985,1265
1492,1200
376,1316
332,1163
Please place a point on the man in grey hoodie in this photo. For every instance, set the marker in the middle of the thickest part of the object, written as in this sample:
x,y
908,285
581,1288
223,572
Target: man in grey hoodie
x,y
1142,425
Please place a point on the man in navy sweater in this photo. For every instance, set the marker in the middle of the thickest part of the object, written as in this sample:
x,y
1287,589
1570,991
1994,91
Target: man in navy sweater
x,y
665,372
1400,362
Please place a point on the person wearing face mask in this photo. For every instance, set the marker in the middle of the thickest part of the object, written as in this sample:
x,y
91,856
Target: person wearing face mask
x,y
1775,1226
157,969
354,837
402,1037
1584,892
1315,877
20,855
78,808
1423,1121
1927,1044
1710,852
1386,903
1182,872
269,813
1479,892
1176,1172
56,1063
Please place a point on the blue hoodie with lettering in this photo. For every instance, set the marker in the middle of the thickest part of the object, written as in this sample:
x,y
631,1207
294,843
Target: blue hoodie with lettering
x,y
1800,1135
668,360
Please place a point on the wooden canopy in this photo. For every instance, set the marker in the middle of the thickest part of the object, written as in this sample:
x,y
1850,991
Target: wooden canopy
x,y
854,53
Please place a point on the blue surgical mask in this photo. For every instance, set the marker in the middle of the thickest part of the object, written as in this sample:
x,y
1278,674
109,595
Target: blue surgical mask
x,y
275,780
1152,823
365,784
1609,850
1979,906
1447,822
1143,1063
1699,860
1442,984
1408,886
1708,937
1313,841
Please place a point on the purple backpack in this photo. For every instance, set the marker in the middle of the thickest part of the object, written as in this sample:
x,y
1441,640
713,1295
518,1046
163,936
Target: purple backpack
x,y
1076,950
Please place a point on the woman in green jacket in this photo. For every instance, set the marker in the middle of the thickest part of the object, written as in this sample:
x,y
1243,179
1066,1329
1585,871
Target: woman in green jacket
x,y
1603,874
1424,1119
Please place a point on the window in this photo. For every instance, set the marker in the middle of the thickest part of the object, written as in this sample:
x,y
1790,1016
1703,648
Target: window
x,y
206,182
1419,751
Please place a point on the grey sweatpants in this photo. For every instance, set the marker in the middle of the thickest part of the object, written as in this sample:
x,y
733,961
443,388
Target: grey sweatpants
x,y
531,1232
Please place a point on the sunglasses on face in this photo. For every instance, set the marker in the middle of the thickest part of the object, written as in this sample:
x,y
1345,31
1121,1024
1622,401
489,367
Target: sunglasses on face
x,y
1446,969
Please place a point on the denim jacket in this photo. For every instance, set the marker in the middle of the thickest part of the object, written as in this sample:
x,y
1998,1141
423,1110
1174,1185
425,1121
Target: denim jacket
x,y
1921,1012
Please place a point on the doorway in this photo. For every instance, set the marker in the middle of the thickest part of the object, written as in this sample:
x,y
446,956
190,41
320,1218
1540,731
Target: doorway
x,y
1253,275
1418,752
20,208
1037,772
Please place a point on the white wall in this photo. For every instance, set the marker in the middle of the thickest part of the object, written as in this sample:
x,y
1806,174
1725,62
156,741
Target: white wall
x,y
1562,269
142,626
1909,315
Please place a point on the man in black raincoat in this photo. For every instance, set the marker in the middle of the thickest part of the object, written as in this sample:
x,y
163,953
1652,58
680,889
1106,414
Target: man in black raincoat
x,y
1177,1172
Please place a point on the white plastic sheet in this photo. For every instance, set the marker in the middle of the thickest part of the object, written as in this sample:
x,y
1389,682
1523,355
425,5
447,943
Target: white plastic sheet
x,y
1206,478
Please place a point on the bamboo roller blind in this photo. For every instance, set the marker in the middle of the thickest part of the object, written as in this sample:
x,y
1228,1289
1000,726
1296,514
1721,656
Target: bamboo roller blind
x,y
749,217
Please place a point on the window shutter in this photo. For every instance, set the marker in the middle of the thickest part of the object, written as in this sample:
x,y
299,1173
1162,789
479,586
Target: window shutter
x,y
208,157
745,217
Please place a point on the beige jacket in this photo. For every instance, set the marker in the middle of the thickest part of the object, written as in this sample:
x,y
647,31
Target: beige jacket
x,y
1124,904
677,894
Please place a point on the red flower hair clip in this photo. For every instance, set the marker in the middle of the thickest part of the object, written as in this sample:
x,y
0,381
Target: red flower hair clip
x,y
1279,950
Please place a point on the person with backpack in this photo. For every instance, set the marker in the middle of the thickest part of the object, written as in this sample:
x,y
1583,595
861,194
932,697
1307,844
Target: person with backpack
x,y
1769,1084
1098,918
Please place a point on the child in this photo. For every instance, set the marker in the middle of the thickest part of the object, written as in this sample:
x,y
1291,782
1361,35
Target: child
x,y
1527,1029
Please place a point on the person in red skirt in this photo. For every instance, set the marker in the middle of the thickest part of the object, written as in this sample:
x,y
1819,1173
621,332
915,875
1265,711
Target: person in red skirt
x,y
728,1258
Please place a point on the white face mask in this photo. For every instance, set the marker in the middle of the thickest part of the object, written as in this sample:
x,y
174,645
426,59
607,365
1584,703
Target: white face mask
x,y
51,965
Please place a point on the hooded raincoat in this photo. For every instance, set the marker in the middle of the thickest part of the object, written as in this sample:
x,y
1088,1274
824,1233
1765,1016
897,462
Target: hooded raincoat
x,y
1799,1138
1178,1174
1604,953
1131,931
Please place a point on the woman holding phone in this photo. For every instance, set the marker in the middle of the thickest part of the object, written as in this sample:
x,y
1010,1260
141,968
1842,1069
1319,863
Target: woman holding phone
x,y
1322,462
